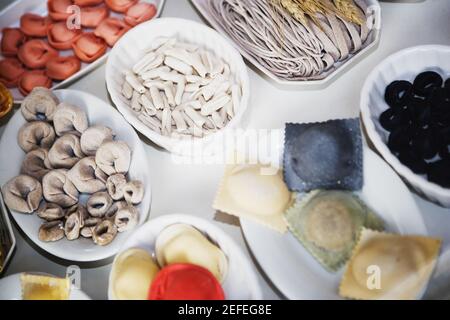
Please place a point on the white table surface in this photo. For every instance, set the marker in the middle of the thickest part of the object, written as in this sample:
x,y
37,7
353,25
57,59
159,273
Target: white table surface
x,y
190,188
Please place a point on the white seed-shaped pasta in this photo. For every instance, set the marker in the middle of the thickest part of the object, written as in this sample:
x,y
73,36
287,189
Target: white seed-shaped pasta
x,y
147,104
154,73
236,97
135,105
191,58
178,65
154,64
179,121
134,82
156,98
215,104
168,76
229,108
179,93
143,62
166,119
154,124
198,119
217,119
192,87
127,90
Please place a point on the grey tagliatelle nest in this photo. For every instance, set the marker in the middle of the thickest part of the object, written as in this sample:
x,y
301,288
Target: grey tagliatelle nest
x,y
294,39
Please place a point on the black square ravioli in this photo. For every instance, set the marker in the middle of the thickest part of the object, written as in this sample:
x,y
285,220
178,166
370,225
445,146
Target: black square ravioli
x,y
323,155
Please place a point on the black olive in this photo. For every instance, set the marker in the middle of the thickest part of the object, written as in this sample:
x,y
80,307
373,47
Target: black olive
x,y
425,82
413,161
400,139
439,172
444,152
392,118
425,144
397,93
447,83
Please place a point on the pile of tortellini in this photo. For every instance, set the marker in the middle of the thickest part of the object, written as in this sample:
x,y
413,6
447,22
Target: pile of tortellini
x,y
64,159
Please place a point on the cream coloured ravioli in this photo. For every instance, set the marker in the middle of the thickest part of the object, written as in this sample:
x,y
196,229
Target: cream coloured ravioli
x,y
132,274
388,266
182,243
255,192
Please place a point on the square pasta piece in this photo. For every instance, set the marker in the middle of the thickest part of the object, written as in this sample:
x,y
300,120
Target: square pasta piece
x,y
323,155
328,224
41,287
389,267
255,193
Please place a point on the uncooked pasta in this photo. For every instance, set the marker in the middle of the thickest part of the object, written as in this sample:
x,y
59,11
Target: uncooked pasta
x,y
291,48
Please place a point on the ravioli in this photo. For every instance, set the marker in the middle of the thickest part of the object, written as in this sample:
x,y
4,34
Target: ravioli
x,y
256,193
325,155
41,287
328,224
182,243
403,264
132,274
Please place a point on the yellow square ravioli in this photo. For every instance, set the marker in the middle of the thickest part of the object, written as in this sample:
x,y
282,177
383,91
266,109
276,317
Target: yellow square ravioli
x,y
389,267
41,287
254,192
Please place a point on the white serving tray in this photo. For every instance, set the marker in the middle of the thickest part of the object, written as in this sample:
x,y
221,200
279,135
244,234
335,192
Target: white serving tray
x,y
9,17
340,67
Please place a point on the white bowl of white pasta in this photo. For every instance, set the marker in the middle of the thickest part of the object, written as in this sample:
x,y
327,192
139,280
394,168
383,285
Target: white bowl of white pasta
x,y
167,47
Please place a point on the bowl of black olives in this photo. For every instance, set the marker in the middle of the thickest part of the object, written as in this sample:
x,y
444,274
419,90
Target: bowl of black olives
x,y
405,108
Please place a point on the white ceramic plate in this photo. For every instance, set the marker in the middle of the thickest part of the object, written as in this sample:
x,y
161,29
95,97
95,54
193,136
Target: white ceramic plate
x,y
240,283
403,65
295,272
99,113
340,67
132,46
10,289
10,16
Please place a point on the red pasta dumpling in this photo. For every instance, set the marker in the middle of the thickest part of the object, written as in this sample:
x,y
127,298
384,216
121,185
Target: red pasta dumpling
x,y
92,16
139,13
57,9
60,37
32,79
111,30
34,25
85,3
35,53
12,39
88,47
10,71
60,68
120,5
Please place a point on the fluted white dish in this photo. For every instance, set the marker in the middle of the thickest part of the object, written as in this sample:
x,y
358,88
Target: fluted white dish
x,y
374,23
99,113
403,65
10,17
131,47
240,283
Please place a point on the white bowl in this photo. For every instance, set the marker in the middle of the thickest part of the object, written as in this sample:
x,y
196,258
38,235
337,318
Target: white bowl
x,y
374,22
240,283
131,47
403,65
99,113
